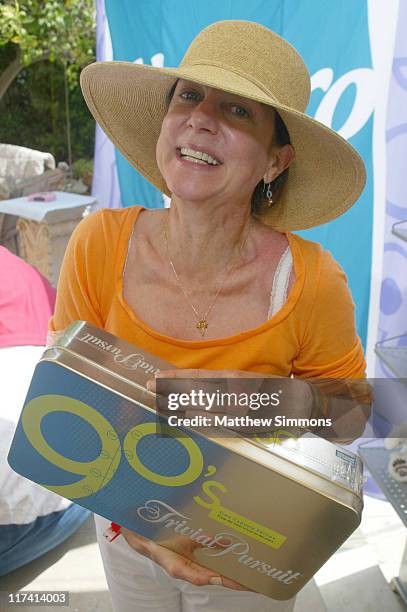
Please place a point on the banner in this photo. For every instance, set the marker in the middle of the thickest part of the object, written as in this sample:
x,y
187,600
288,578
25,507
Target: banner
x,y
105,185
393,295
339,42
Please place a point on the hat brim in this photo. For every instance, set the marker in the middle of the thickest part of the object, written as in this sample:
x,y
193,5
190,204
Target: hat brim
x,y
129,102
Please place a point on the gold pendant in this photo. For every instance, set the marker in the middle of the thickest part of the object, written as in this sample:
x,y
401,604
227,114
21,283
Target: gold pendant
x,y
202,325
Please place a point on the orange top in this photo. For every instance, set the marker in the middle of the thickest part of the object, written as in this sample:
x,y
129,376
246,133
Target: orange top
x,y
312,335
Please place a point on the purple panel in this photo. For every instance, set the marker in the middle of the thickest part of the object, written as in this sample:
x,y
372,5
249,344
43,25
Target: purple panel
x,y
393,299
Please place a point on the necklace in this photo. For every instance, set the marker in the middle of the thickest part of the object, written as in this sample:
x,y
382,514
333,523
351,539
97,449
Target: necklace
x,y
202,323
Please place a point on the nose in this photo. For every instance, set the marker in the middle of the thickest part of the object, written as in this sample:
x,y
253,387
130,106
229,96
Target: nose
x,y
204,116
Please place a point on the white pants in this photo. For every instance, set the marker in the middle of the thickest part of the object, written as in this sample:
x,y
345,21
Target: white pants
x,y
137,584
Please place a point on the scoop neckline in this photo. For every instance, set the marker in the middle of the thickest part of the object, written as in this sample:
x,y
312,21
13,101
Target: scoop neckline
x,y
125,236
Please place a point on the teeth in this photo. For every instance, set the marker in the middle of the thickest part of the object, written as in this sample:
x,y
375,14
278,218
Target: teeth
x,y
194,159
192,155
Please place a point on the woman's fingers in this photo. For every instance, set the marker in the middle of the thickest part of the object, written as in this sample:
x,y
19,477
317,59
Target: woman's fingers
x,y
177,565
231,584
205,390
139,543
199,374
182,568
190,393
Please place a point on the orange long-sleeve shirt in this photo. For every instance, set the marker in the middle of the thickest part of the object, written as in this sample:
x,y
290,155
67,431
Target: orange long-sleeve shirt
x,y
312,335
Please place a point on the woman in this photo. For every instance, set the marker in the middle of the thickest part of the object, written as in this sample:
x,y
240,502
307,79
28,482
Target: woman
x,y
216,282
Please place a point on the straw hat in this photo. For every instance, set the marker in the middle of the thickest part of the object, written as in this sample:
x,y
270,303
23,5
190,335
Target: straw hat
x,y
245,58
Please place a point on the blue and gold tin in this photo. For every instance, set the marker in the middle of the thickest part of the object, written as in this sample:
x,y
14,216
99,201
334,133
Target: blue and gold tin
x,y
267,514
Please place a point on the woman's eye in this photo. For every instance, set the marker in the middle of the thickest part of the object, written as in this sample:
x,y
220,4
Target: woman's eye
x,y
239,110
189,95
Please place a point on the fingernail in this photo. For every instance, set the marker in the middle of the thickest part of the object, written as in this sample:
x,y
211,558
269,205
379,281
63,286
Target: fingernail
x,y
216,580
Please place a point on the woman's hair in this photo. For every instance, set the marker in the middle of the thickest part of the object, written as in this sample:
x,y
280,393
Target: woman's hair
x,y
281,137
260,204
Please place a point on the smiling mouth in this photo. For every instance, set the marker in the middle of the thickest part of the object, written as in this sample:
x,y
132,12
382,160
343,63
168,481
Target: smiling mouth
x,y
198,157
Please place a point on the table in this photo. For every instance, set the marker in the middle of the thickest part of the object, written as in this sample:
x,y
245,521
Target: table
x,y
393,352
44,228
376,458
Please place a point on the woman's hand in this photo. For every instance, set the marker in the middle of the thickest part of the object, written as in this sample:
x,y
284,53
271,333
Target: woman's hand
x,y
295,397
178,562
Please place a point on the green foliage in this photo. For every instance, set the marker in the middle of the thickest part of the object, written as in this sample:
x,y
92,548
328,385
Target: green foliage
x,y
82,167
33,111
61,30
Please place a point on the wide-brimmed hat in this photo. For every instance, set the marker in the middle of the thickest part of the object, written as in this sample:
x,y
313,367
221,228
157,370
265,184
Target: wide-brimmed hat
x,y
129,102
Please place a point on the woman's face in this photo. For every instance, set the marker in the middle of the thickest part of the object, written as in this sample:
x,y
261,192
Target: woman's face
x,y
214,144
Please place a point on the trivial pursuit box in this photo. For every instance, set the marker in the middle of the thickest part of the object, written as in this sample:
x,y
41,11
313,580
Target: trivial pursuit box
x,y
268,514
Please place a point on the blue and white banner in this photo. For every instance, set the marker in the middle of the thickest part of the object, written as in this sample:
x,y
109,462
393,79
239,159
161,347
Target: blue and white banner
x,y
348,48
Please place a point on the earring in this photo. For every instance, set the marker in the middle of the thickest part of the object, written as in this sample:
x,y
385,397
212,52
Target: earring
x,y
269,193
